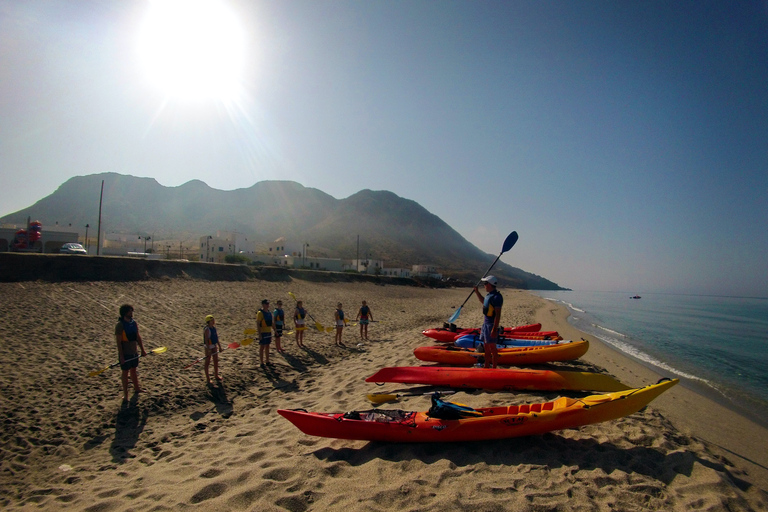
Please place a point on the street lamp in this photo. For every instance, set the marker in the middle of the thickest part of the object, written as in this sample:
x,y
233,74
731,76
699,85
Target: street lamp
x,y
86,236
304,254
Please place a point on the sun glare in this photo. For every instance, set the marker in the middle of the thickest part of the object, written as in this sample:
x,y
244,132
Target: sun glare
x,y
192,49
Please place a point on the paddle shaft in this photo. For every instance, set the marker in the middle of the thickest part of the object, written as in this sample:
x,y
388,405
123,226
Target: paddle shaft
x,y
509,242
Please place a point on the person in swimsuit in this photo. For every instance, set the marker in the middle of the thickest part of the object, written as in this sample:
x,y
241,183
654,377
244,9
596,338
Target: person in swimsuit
x,y
129,342
364,316
264,324
298,319
339,320
212,348
489,333
279,320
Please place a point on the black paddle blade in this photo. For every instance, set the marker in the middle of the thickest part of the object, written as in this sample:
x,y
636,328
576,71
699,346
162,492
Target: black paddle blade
x,y
509,242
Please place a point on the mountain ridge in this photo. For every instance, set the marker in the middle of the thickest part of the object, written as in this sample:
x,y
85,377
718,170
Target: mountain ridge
x,y
396,230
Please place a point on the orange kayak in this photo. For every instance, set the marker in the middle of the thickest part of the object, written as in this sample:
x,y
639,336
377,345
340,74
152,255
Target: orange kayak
x,y
516,356
490,423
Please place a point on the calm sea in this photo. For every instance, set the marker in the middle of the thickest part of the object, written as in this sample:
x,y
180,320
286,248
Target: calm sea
x,y
717,346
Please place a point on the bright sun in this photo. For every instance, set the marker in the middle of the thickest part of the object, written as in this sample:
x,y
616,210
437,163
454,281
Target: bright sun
x,y
192,49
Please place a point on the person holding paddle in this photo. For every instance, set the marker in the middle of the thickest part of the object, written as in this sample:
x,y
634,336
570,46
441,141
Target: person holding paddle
x,y
264,325
298,319
279,321
364,315
489,333
212,347
128,344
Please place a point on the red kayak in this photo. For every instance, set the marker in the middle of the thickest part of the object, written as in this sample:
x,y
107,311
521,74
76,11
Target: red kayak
x,y
498,378
517,356
485,423
449,334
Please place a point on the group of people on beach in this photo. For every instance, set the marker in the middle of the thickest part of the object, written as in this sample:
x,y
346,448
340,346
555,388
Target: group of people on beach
x,y
270,324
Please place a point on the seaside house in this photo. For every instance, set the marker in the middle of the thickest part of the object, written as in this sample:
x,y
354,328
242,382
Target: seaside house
x,y
396,272
426,271
368,266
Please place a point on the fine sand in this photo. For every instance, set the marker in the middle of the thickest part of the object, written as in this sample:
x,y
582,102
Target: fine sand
x,y
70,442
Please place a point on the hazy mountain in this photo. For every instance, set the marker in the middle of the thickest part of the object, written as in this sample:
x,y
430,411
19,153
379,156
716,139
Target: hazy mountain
x,y
399,231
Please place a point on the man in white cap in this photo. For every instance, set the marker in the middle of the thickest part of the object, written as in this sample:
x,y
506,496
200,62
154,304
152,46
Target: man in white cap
x,y
489,334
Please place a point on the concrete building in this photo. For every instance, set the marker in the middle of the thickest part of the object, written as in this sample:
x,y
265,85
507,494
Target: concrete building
x,y
426,271
396,272
368,266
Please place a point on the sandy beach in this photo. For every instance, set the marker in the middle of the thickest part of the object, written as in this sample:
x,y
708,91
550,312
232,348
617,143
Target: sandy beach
x,y
70,442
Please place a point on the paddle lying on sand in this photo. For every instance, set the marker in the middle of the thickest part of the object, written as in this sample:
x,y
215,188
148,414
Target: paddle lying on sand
x,y
248,332
380,398
232,345
158,350
318,325
508,244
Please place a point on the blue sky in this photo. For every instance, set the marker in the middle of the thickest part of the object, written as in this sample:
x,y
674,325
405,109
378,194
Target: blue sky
x,y
626,142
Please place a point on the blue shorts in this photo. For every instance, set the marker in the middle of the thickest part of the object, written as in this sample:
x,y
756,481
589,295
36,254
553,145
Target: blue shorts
x,y
265,338
485,335
278,330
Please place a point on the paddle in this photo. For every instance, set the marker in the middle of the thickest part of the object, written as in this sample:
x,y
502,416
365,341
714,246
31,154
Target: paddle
x,y
380,398
508,244
158,350
318,325
232,345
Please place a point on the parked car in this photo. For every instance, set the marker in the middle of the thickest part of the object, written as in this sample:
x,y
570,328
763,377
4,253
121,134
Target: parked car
x,y
72,248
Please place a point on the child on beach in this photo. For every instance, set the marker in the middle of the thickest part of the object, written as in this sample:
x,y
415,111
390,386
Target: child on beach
x,y
339,318
264,325
364,315
128,344
279,318
212,348
298,319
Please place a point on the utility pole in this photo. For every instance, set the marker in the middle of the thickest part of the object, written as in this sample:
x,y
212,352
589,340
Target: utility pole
x,y
357,256
98,235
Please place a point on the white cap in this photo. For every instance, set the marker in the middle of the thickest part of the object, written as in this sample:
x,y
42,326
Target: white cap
x,y
491,280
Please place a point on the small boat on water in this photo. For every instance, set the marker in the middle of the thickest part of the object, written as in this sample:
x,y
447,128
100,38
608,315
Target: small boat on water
x,y
635,297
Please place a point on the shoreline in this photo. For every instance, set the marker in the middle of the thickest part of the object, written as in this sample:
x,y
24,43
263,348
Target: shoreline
x,y
738,435
69,442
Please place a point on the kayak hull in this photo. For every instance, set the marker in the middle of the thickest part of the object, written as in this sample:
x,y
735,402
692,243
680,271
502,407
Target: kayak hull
x,y
494,423
473,341
445,335
516,356
499,379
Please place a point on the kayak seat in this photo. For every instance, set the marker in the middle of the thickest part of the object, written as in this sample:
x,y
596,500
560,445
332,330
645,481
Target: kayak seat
x,y
449,410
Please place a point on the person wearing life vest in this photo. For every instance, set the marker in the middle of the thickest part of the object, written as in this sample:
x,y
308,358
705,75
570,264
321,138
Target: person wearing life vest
x,y
212,347
364,316
264,324
278,315
299,314
129,343
489,333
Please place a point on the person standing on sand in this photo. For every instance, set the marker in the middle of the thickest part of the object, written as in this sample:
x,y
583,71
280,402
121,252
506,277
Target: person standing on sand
x,y
489,334
298,319
364,316
264,324
279,319
212,348
128,344
339,320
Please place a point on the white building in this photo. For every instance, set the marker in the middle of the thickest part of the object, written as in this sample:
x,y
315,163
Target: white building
x,y
396,272
368,266
426,271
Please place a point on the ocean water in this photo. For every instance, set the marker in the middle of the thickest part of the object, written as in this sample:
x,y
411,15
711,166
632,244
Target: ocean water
x,y
717,346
